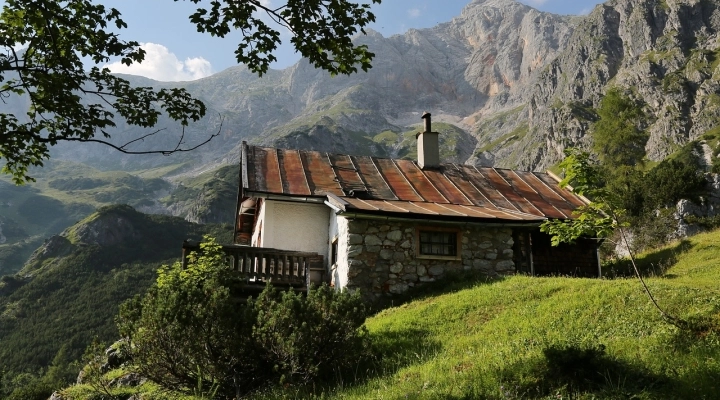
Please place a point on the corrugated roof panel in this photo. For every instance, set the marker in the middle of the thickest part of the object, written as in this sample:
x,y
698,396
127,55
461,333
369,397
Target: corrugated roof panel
x,y
461,180
566,194
475,212
251,167
548,194
417,208
376,184
502,214
396,180
267,174
403,208
482,183
529,194
401,187
396,205
420,182
319,174
447,188
376,205
508,191
551,194
293,173
438,208
346,173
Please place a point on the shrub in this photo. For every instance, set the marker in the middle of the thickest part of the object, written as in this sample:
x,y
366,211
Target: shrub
x,y
313,337
189,331
193,330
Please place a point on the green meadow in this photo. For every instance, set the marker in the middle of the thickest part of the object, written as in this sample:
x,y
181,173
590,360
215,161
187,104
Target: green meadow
x,y
520,337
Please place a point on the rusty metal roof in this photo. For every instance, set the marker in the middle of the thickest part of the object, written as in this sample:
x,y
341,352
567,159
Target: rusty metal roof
x,y
390,186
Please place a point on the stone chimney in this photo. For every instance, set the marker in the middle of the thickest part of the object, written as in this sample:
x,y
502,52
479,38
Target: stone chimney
x,y
428,149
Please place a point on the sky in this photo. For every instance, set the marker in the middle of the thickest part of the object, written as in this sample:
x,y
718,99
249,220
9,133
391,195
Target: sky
x,y
175,51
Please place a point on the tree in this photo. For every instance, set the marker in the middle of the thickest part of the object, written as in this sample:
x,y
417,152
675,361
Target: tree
x,y
618,139
71,102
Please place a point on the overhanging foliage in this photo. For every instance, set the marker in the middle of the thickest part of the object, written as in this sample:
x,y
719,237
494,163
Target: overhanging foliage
x,y
43,45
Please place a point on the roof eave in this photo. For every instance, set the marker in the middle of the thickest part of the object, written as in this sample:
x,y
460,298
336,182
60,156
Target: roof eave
x,y
439,219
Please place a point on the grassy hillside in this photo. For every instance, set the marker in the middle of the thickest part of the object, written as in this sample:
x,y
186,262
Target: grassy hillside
x,y
69,291
523,337
542,337
455,144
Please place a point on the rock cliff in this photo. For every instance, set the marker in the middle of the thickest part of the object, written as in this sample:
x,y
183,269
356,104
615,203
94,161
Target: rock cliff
x,y
520,84
662,52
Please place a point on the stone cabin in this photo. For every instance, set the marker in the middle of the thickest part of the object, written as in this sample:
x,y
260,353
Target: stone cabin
x,y
386,225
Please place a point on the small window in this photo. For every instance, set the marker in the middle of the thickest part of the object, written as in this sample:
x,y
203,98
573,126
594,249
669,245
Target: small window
x,y
438,243
334,252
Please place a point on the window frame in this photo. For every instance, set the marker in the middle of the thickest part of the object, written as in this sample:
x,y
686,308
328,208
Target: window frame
x,y
458,243
334,251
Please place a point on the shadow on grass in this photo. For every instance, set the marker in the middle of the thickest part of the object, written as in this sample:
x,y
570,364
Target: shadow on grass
x,y
390,351
581,371
700,331
394,350
655,263
449,283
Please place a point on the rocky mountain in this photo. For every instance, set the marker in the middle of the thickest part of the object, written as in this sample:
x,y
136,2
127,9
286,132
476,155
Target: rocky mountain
x,y
476,65
516,85
662,52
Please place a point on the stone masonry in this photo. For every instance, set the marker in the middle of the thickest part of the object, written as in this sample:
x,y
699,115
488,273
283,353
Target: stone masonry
x,y
382,255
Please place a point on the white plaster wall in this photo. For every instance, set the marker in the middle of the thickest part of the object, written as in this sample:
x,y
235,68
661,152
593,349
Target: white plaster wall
x,y
295,226
339,272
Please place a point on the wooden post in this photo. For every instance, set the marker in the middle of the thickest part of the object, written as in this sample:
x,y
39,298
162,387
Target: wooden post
x,y
185,253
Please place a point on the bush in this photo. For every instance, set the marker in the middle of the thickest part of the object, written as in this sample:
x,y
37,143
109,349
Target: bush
x,y
189,331
310,338
193,330
671,181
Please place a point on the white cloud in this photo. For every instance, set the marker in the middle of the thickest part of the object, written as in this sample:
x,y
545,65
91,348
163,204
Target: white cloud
x,y
414,12
162,65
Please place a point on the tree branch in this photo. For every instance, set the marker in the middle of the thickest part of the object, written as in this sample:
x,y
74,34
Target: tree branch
x,y
678,322
122,148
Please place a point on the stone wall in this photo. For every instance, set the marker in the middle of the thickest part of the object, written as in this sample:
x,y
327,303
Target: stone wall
x,y
382,255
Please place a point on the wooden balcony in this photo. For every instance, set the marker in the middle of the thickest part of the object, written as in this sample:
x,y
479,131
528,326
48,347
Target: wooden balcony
x,y
262,264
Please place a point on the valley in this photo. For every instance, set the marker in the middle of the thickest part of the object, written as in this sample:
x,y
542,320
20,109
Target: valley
x,y
508,86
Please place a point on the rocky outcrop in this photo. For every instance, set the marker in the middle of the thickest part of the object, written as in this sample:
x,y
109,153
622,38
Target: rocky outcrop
x,y
105,230
109,226
661,52
694,217
210,197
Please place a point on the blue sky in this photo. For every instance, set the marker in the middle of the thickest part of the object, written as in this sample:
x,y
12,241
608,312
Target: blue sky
x,y
175,51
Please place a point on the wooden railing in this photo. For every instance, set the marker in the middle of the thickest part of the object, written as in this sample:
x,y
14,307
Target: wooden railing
x,y
262,264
